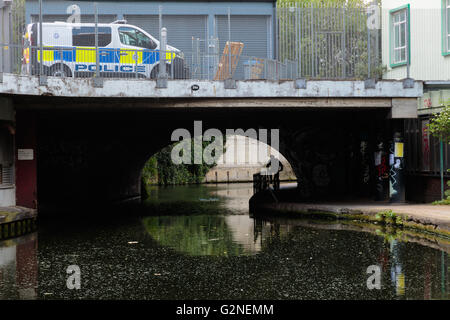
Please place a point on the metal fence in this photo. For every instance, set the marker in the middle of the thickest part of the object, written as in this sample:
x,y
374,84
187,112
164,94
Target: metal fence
x,y
313,41
326,41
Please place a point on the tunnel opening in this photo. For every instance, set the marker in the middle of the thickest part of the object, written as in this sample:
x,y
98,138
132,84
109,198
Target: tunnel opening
x,y
240,158
95,157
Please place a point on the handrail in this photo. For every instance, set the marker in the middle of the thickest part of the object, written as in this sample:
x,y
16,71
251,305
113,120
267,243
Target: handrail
x,y
263,182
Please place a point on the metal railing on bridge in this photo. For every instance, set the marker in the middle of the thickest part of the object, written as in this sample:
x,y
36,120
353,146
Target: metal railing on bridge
x,y
263,182
309,41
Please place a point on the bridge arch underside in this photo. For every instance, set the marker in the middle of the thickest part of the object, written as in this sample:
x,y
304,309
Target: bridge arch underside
x,y
88,156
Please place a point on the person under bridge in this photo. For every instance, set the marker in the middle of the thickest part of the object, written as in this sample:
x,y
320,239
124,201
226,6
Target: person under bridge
x,y
275,167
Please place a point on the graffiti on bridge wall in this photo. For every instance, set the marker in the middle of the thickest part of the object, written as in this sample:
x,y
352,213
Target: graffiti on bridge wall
x,y
312,155
397,165
425,146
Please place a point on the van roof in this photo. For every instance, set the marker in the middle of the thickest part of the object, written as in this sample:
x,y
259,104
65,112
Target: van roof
x,y
64,23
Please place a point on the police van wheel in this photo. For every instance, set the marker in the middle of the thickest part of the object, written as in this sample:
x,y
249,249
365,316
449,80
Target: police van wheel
x,y
57,71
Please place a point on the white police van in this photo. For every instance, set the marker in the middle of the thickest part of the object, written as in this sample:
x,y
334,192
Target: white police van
x,y
124,51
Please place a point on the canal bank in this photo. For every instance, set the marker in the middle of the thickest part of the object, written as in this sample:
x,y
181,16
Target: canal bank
x,y
422,217
16,221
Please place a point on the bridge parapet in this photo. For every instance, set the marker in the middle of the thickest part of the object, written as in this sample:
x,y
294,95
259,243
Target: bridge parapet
x,y
136,88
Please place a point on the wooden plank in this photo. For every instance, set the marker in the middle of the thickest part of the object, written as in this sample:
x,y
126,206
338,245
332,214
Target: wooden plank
x,y
223,70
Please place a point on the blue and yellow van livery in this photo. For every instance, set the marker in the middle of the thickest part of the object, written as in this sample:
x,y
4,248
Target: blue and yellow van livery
x,y
69,50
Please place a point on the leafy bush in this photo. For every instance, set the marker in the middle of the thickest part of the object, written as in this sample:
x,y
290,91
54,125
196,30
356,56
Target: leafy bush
x,y
389,217
160,169
440,124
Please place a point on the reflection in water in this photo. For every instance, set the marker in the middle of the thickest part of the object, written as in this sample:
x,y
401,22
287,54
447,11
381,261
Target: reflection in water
x,y
18,268
218,234
194,235
397,276
232,232
213,250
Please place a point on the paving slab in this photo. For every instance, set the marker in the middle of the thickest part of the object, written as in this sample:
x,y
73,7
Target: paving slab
x,y
12,214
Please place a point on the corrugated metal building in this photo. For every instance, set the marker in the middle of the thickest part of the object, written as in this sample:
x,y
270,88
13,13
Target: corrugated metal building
x,y
252,22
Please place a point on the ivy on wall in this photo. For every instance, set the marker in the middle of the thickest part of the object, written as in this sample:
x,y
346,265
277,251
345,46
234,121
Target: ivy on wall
x,y
160,169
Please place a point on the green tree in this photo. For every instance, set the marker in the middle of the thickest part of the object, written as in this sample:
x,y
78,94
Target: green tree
x,y
439,127
160,169
440,124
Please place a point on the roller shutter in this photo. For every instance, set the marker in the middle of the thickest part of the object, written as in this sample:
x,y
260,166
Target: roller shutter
x,y
180,28
251,30
85,18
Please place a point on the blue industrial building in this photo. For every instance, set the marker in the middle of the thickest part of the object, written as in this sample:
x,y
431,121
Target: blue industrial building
x,y
252,22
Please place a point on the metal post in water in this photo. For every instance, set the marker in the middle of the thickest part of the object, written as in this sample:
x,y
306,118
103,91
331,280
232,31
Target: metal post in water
x,y
443,273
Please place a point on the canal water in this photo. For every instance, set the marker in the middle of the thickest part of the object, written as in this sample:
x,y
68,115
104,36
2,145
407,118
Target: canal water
x,y
199,242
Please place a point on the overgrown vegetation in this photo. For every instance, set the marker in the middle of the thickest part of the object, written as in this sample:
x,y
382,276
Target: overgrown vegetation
x,y
389,217
440,123
160,169
390,234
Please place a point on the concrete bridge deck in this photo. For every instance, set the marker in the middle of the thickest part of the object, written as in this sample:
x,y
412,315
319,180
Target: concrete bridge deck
x,y
135,88
77,151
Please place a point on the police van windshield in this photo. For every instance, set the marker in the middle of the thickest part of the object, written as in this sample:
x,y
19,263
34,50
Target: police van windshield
x,y
133,37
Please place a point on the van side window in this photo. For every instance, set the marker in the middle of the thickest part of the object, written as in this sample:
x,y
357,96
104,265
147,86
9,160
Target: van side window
x,y
133,37
85,36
